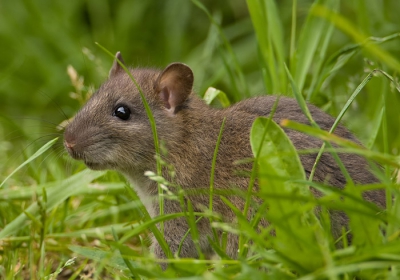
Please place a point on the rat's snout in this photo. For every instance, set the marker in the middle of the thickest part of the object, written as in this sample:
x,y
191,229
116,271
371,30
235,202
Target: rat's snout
x,y
69,146
69,139
70,143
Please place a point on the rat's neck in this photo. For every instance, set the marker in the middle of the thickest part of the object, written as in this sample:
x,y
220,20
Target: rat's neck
x,y
145,188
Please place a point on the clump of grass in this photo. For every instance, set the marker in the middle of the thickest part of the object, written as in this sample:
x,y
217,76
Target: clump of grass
x,y
97,218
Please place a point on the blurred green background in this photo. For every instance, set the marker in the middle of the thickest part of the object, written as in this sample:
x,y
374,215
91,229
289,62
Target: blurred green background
x,y
40,38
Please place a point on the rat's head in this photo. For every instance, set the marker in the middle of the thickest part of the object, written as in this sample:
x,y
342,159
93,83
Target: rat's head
x,y
112,130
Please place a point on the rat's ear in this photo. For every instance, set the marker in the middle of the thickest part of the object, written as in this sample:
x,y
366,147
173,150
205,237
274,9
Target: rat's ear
x,y
116,68
174,85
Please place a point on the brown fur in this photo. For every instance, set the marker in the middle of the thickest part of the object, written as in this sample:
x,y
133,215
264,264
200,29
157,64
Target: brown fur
x,y
189,128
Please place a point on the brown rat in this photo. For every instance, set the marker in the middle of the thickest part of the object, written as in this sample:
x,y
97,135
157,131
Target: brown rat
x,y
112,131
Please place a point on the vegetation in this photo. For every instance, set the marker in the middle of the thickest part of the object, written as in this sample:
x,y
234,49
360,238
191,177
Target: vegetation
x,y
58,218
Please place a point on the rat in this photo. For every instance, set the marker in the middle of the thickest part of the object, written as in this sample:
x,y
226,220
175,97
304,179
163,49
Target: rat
x,y
112,131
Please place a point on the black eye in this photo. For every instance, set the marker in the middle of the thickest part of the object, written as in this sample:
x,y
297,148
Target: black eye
x,y
122,112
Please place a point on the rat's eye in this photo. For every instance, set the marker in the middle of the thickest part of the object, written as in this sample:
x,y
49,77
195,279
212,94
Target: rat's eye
x,y
122,112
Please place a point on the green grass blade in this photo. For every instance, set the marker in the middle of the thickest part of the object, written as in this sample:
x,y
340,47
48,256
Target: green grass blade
x,y
39,152
346,26
331,67
353,147
340,58
145,225
56,196
279,159
113,259
306,111
157,234
320,57
293,30
213,166
338,119
314,34
268,28
243,91
213,93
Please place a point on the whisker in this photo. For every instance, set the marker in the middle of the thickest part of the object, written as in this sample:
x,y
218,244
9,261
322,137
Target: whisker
x,y
54,125
52,100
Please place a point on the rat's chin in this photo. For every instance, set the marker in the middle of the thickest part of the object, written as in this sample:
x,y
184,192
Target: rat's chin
x,y
96,166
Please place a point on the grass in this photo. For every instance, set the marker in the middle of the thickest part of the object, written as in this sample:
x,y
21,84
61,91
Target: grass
x,y
58,217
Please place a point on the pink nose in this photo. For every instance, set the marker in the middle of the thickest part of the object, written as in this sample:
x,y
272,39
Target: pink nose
x,y
68,145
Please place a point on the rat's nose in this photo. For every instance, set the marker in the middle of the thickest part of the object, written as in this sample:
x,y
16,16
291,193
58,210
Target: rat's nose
x,y
68,145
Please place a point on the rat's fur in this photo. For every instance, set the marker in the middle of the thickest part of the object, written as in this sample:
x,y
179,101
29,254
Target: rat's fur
x,y
189,129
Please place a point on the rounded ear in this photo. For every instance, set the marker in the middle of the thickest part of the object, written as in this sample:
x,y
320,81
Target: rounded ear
x,y
174,86
116,68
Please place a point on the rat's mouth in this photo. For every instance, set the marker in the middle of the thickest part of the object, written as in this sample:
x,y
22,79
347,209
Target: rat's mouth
x,y
94,162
